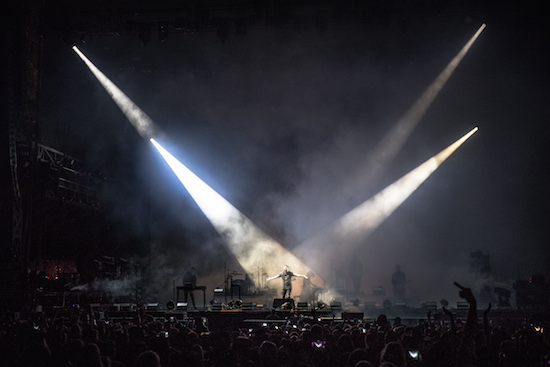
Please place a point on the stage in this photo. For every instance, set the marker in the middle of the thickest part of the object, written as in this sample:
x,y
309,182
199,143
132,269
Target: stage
x,y
255,311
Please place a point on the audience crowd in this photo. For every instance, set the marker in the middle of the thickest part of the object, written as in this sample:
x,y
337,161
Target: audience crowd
x,y
293,340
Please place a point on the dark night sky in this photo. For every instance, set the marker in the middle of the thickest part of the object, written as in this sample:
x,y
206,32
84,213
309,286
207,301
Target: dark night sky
x,y
281,120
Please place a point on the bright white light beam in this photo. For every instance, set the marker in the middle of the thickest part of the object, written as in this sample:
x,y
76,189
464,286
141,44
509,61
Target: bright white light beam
x,y
250,245
144,125
390,145
360,222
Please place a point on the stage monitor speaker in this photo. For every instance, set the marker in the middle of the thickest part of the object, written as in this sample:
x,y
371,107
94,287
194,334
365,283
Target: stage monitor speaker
x,y
430,305
115,307
126,307
219,295
283,303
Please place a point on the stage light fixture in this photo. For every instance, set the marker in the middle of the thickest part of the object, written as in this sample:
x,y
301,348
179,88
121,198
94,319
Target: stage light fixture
x,y
162,31
153,306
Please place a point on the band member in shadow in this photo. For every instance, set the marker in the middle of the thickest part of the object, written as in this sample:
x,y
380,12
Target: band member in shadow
x,y
356,273
286,275
309,290
189,285
399,283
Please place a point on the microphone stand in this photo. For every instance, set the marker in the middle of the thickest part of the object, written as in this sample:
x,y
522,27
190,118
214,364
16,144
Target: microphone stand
x,y
174,294
225,281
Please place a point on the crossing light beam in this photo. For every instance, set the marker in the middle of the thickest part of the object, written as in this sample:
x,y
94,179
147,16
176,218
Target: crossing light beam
x,y
250,245
355,226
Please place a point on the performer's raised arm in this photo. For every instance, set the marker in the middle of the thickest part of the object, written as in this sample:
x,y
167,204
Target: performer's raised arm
x,y
273,277
287,276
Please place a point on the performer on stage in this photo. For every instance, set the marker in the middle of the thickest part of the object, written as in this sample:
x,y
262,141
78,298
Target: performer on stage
x,y
286,276
356,273
189,285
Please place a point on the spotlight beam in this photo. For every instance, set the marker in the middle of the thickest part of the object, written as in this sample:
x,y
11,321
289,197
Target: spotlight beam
x,y
355,226
250,245
137,117
390,145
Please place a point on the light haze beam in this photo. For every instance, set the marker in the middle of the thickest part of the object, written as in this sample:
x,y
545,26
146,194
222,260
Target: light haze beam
x,y
250,245
144,125
390,145
355,226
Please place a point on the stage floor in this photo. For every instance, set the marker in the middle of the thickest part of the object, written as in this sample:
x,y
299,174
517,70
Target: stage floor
x,y
262,309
